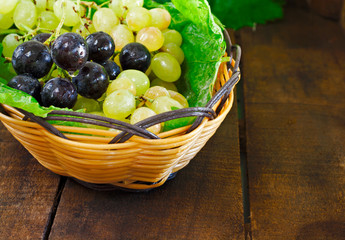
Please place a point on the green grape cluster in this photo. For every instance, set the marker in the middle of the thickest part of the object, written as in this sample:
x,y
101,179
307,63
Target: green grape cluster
x,y
132,95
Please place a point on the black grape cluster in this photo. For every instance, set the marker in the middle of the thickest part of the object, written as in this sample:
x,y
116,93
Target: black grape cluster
x,y
87,60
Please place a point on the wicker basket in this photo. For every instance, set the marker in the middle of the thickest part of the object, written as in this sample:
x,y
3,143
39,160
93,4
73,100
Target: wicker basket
x,y
134,158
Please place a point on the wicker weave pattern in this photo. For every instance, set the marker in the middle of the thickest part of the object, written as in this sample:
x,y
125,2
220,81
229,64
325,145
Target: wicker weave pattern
x,y
138,163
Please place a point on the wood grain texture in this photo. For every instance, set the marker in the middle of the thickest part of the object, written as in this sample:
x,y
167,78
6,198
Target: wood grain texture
x,y
27,191
204,201
329,8
293,73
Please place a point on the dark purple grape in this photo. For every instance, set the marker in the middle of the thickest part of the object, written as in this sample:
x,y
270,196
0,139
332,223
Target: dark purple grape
x,y
32,58
92,80
70,51
101,46
112,69
59,92
26,84
41,37
135,56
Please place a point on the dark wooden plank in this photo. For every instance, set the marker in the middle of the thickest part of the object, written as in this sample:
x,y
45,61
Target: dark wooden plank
x,y
203,201
293,73
27,191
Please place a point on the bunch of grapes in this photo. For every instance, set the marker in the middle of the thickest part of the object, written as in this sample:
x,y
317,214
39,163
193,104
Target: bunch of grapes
x,y
118,59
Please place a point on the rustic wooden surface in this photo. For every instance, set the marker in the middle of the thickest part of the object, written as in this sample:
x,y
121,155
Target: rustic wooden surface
x,y
27,192
294,88
204,201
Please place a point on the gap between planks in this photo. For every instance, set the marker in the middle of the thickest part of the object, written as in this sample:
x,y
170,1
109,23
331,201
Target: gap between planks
x,y
54,208
241,111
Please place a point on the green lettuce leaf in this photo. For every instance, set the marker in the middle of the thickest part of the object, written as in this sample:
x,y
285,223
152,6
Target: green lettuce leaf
x,y
22,100
177,123
203,46
237,14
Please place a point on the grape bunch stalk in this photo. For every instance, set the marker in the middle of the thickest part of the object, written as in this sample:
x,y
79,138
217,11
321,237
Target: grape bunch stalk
x,y
117,59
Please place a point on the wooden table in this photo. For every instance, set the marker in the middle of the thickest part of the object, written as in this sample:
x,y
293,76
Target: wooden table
x,y
275,169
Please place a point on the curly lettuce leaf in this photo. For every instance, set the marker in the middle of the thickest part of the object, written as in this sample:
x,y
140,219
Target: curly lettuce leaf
x,y
177,123
22,100
237,14
203,46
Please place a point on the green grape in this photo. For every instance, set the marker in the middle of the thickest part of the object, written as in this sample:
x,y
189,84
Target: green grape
x,y
121,83
9,43
7,6
101,99
117,7
161,18
164,104
140,80
174,50
105,20
25,15
138,18
90,105
99,113
142,113
167,85
166,67
48,20
64,30
50,4
154,92
119,104
150,37
179,97
41,5
122,35
6,20
68,8
130,4
173,36
82,30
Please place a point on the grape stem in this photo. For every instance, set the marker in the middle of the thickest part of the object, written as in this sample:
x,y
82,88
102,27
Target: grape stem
x,y
115,54
31,32
143,100
64,73
57,32
87,18
8,59
47,77
90,4
105,3
8,31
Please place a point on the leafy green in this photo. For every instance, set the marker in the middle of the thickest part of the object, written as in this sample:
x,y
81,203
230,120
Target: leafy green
x,y
237,14
22,100
203,46
177,123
